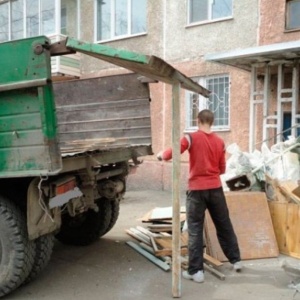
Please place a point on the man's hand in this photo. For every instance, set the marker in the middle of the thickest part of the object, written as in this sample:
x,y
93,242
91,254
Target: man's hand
x,y
159,156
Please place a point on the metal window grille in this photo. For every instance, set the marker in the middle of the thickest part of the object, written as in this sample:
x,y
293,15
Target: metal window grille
x,y
218,102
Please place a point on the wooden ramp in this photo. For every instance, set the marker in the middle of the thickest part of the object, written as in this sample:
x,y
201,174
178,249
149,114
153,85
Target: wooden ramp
x,y
250,216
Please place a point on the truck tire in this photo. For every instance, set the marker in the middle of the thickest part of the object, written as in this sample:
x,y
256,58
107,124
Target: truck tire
x,y
115,209
43,251
87,227
17,252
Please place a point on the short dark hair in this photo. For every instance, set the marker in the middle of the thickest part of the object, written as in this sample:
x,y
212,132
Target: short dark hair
x,y
206,116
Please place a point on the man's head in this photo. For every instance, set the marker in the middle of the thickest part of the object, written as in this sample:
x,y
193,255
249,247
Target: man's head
x,y
206,117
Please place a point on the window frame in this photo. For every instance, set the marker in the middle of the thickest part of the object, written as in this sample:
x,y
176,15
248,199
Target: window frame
x,y
209,19
202,80
112,24
287,16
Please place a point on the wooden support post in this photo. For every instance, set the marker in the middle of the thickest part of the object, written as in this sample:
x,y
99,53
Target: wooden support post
x,y
176,264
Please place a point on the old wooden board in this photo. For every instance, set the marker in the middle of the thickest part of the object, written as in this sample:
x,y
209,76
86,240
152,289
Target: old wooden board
x,y
162,245
286,222
252,223
102,113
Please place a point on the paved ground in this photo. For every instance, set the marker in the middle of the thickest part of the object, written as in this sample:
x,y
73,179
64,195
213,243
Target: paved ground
x,y
109,269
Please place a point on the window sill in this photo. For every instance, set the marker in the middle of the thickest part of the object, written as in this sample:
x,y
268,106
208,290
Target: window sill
x,y
291,30
123,37
206,22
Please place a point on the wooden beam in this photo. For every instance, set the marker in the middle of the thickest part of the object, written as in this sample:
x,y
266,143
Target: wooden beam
x,y
176,263
214,271
137,237
211,260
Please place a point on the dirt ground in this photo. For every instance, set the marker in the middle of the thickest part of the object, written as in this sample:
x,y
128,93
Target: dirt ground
x,y
110,269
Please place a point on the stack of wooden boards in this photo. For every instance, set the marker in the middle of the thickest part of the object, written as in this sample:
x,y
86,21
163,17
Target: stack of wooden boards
x,y
155,242
284,206
251,219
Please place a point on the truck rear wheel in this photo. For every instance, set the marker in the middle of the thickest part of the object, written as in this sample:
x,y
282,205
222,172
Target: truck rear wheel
x,y
87,227
43,251
115,209
17,252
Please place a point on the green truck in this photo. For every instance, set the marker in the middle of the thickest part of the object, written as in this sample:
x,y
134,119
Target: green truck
x,y
65,151
66,148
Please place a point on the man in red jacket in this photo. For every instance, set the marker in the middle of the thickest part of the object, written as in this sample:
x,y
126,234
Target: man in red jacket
x,y
207,163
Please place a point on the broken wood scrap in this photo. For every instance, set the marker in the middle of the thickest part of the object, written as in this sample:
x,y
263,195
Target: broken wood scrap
x,y
214,271
160,227
137,237
162,215
141,234
146,231
167,259
163,246
164,266
290,189
211,260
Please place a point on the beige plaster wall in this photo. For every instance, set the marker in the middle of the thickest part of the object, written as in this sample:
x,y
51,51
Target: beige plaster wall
x,y
272,23
184,47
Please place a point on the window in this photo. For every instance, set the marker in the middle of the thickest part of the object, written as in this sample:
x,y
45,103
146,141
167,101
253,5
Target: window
x,y
69,17
292,14
120,18
39,17
27,18
207,10
218,102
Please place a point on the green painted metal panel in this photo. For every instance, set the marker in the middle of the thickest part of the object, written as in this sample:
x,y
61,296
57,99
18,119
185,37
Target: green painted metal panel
x,y
28,125
19,62
107,51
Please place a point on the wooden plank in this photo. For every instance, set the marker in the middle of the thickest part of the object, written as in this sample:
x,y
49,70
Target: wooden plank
x,y
159,213
149,256
214,271
211,260
286,222
278,211
293,230
160,227
163,246
142,235
252,223
147,248
287,188
137,237
146,231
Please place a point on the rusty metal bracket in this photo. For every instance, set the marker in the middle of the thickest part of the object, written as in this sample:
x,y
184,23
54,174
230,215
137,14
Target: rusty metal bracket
x,y
60,48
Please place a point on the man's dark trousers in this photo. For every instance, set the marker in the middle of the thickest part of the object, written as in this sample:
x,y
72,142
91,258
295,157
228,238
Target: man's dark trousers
x,y
196,204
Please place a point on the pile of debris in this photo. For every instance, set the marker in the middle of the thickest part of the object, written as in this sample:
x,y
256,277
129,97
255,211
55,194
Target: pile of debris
x,y
276,172
263,196
155,241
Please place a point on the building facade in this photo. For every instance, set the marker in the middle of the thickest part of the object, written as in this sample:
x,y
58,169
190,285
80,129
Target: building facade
x,y
223,44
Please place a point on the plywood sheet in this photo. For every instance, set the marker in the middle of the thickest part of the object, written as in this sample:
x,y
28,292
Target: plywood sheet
x,y
251,219
286,221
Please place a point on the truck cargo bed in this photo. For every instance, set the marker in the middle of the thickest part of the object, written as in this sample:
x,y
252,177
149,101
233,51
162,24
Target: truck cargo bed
x,y
102,113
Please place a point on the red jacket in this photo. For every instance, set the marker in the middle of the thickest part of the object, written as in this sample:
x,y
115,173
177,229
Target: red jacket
x,y
207,159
